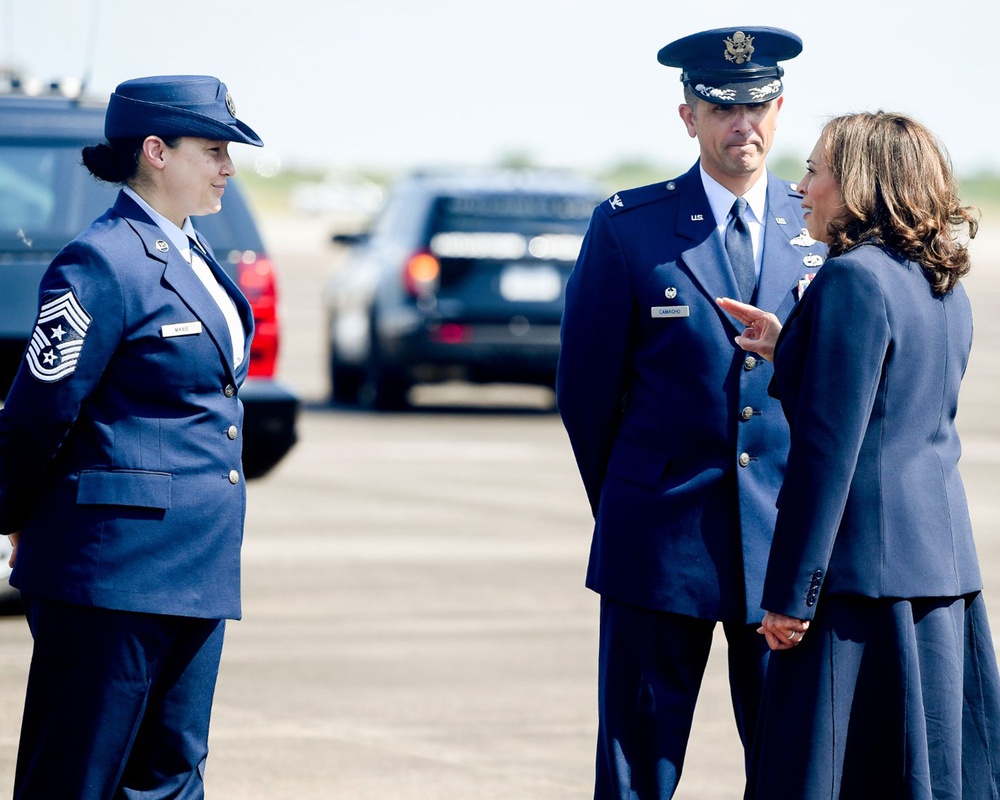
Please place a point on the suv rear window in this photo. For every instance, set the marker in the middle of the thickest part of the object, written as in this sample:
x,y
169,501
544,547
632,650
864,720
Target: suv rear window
x,y
46,196
504,227
511,213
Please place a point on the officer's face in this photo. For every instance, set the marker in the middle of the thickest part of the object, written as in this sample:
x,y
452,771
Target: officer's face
x,y
734,140
194,177
822,199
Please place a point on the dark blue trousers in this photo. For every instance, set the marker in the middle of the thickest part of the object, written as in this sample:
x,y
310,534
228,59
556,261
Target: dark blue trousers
x,y
650,672
117,704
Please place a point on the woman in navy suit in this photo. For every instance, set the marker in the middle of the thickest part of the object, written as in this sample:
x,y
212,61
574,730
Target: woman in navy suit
x,y
883,681
120,477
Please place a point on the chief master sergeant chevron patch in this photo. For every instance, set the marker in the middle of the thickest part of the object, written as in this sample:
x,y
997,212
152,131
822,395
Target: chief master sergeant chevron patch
x,y
58,338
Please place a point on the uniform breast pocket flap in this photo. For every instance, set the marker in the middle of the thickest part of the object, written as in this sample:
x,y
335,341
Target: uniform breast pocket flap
x,y
137,488
637,463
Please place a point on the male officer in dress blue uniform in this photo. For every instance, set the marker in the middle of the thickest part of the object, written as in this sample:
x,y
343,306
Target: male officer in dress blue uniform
x,y
680,448
120,471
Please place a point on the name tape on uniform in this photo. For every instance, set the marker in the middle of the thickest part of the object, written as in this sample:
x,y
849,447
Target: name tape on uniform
x,y
671,311
181,329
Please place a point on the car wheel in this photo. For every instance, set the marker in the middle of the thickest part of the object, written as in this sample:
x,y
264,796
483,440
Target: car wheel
x,y
384,388
346,380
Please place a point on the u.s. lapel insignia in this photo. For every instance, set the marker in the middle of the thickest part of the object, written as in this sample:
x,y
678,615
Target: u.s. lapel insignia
x,y
813,260
670,292
781,220
697,217
162,246
616,202
803,239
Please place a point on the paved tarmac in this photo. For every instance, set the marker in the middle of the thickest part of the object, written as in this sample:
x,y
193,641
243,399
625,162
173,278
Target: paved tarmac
x,y
415,621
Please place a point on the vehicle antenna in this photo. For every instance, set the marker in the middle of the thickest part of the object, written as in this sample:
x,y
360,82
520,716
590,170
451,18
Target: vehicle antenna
x,y
88,68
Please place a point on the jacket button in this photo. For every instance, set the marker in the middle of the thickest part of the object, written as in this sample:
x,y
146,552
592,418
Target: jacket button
x,y
234,477
744,459
747,412
229,391
749,363
232,433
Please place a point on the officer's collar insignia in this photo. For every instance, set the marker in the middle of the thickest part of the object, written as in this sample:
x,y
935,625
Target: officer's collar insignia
x,y
231,104
813,260
803,239
162,246
739,48
58,338
616,202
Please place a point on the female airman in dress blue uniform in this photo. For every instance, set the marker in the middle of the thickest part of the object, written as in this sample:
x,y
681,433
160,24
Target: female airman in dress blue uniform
x,y
120,474
883,681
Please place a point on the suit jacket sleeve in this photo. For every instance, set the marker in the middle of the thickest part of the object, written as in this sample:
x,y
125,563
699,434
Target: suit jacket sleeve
x,y
827,372
594,354
38,414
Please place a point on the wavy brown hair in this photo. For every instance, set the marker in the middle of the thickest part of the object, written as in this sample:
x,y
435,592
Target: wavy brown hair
x,y
899,190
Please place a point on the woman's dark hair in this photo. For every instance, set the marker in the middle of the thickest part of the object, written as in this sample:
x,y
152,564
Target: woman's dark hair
x,y
117,161
898,189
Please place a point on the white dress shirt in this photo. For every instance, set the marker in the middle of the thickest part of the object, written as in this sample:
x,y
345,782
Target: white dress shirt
x,y
721,200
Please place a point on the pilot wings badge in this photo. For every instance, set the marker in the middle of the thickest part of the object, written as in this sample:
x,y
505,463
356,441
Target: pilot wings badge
x,y
58,337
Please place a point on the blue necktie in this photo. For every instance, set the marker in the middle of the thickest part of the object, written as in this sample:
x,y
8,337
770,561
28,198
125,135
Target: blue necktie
x,y
739,246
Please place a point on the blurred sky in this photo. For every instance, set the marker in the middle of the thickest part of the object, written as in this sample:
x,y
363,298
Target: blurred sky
x,y
362,84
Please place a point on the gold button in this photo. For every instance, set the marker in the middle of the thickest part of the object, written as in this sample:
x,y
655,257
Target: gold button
x,y
232,433
234,477
229,391
747,412
744,459
749,363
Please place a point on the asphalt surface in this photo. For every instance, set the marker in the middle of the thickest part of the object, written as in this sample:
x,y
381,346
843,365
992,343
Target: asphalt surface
x,y
415,621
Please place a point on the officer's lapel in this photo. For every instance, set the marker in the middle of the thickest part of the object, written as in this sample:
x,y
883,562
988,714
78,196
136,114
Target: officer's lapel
x,y
182,279
706,257
781,265
177,274
243,307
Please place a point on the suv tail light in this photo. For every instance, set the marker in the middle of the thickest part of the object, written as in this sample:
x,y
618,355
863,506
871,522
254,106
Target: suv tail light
x,y
255,275
422,274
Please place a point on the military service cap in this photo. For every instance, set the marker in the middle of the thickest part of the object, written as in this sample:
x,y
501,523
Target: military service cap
x,y
175,105
730,66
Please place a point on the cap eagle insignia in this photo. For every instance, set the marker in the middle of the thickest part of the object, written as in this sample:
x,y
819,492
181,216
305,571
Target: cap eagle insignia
x,y
739,48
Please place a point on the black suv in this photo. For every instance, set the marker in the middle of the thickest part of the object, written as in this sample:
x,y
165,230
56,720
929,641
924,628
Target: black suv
x,y
47,197
462,276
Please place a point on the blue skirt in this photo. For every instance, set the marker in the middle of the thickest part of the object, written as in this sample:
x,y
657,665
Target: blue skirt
x,y
884,698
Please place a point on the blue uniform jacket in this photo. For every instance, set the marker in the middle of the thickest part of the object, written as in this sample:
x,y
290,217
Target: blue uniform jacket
x,y
121,438
680,448
868,369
